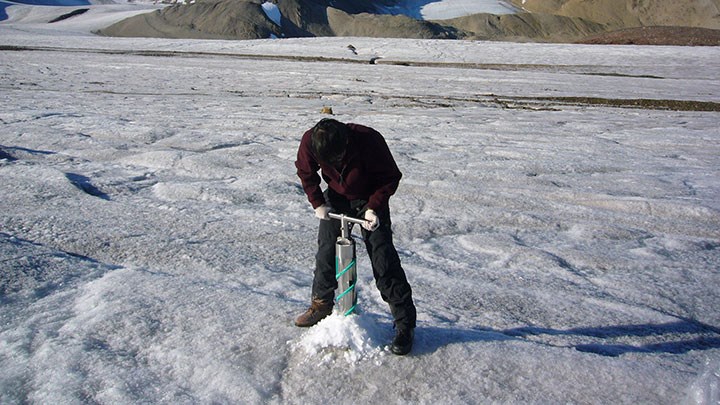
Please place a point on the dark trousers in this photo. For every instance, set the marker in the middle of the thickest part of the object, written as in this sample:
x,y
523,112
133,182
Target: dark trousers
x,y
389,275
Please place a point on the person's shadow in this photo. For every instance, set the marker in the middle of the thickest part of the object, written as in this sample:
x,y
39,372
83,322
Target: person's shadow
x,y
673,338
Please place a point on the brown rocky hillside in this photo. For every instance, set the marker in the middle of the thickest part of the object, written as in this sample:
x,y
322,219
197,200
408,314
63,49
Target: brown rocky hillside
x,y
619,14
695,22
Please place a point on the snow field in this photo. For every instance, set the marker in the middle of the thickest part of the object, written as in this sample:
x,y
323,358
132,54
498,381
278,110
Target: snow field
x,y
156,244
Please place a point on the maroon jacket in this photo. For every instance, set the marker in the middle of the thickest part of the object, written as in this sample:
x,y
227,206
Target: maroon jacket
x,y
368,170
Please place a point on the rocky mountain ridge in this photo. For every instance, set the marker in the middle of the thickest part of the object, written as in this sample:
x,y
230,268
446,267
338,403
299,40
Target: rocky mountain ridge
x,y
540,21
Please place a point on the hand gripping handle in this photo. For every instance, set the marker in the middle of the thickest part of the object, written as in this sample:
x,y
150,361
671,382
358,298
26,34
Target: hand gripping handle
x,y
345,222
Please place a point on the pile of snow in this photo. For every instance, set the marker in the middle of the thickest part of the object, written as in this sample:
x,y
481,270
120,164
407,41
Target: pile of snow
x,y
355,338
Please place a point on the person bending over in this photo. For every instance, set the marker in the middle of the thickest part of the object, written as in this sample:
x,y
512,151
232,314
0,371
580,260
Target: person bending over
x,y
361,175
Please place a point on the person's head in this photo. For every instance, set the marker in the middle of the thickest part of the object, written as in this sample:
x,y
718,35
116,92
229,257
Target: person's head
x,y
329,139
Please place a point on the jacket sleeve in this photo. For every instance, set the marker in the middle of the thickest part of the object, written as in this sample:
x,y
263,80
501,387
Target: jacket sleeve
x,y
385,174
307,171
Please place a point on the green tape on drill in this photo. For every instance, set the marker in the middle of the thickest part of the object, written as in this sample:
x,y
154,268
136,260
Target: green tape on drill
x,y
349,266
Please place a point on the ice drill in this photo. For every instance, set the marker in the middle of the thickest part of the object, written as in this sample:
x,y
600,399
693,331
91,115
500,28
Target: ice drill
x,y
346,264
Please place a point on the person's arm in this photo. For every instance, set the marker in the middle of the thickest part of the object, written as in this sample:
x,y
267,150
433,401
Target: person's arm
x,y
307,171
384,173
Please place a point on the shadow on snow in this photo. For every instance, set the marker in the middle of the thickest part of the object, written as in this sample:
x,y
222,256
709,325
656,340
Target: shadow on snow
x,y
430,339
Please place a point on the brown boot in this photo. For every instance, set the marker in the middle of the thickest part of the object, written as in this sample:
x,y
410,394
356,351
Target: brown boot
x,y
318,310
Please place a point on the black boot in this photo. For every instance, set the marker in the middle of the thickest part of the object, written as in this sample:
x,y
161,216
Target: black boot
x,y
402,344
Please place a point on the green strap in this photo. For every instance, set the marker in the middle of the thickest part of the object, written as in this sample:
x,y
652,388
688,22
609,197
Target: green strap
x,y
342,294
352,287
338,275
351,310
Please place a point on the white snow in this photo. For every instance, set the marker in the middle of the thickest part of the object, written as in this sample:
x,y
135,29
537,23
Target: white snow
x,y
272,11
446,9
156,246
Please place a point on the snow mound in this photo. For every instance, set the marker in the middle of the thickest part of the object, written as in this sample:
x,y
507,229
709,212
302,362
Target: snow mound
x,y
353,338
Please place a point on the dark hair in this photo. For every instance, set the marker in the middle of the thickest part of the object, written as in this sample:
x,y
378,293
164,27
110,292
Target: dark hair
x,y
329,139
